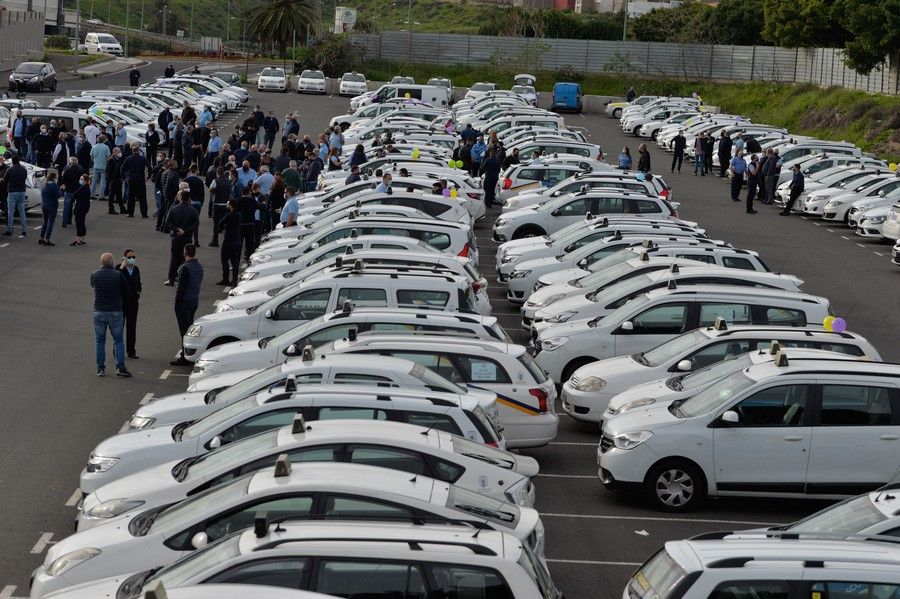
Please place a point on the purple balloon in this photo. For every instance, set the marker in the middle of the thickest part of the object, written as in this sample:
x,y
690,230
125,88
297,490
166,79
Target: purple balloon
x,y
445,192
839,325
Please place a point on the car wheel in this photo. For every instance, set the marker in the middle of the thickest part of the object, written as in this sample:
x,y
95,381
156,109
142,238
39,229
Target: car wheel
x,y
653,136
528,231
221,341
572,366
675,486
617,113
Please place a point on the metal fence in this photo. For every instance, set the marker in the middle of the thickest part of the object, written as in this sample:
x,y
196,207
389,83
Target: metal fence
x,y
821,66
21,37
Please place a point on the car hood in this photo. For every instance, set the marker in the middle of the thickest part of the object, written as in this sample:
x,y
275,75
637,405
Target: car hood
x,y
111,537
240,303
840,198
545,262
220,381
873,212
608,369
220,317
574,303
549,291
564,276
566,329
153,484
187,405
649,418
234,350
104,588
156,441
656,390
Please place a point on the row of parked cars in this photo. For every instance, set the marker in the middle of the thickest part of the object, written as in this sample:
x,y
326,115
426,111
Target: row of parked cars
x,y
347,424
843,186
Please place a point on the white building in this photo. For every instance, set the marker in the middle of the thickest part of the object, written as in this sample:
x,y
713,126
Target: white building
x,y
636,8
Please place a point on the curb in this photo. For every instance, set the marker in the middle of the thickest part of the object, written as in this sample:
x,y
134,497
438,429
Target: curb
x,y
92,75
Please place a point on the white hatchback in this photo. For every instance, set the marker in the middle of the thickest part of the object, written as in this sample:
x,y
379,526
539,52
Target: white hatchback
x,y
353,84
272,78
311,81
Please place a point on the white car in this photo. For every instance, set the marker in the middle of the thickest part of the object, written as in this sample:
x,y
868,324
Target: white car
x,y
127,453
157,590
265,352
311,81
353,84
272,78
385,559
311,368
584,181
861,208
479,89
158,535
412,449
527,92
837,207
870,223
821,429
102,43
662,314
586,394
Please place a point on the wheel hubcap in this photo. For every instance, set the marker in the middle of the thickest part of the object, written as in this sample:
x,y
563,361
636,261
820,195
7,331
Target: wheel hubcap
x,y
674,487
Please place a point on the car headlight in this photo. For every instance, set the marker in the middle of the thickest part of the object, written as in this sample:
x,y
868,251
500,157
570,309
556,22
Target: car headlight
x,y
553,343
35,78
111,508
832,204
262,258
876,220
518,493
223,307
249,275
561,317
99,463
590,383
139,422
66,562
519,274
635,404
549,300
631,440
204,364
509,259
194,330
512,204
501,222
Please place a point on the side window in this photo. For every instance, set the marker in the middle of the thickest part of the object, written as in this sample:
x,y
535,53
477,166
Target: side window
x,y
340,234
460,582
304,306
448,472
358,377
324,453
387,231
784,405
855,405
661,320
433,208
337,413
754,589
441,422
785,316
362,298
259,423
346,578
294,507
707,258
718,352
339,506
609,205
577,207
280,572
439,241
328,334
854,590
388,246
645,206
442,365
529,174
735,262
736,313
480,370
420,298
391,326
552,176
388,457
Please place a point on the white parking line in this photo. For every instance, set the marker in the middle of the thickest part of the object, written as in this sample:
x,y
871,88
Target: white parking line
x,y
497,313
73,500
845,238
3,246
658,519
592,562
146,399
877,253
831,231
567,475
42,542
7,592
165,374
37,227
818,224
861,245
573,443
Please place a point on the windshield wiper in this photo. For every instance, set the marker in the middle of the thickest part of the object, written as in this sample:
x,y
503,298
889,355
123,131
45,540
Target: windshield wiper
x,y
178,430
179,472
640,359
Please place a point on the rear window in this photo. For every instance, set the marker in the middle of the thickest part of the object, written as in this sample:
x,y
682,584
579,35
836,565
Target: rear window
x,y
354,77
656,578
531,366
272,73
312,75
420,298
485,427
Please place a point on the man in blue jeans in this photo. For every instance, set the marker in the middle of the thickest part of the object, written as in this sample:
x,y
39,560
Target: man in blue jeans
x,y
16,177
187,296
110,291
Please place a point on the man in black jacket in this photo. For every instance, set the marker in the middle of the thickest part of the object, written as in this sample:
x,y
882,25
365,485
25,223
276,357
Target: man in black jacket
x,y
114,181
136,170
678,144
110,292
183,220
725,144
187,295
132,275
70,182
162,121
221,193
197,192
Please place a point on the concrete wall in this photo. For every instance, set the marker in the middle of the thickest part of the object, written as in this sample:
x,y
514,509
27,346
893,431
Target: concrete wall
x,y
821,66
21,37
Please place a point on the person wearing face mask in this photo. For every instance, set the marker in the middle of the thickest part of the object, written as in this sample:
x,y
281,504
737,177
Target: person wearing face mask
x,y
81,206
230,228
625,159
246,175
50,195
128,268
43,147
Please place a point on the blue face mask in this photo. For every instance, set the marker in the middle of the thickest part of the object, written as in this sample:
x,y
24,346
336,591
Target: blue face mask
x,y
130,261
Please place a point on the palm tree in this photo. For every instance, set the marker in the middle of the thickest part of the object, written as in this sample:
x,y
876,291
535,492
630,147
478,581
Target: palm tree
x,y
276,21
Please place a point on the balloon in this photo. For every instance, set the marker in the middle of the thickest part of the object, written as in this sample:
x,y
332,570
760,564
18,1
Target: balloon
x,y
2,150
445,192
451,163
640,176
415,154
839,325
460,164
407,96
99,112
453,193
893,166
828,323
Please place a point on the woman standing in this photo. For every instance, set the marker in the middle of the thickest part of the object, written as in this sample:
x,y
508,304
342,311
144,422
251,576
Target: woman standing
x,y
132,274
230,228
50,195
82,204
625,159
334,160
359,156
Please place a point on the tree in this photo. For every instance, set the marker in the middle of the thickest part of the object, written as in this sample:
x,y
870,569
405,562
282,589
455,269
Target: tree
x,y
738,22
689,23
276,21
803,23
874,27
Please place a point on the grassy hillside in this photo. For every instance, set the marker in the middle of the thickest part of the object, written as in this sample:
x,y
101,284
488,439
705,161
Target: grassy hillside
x,y
427,15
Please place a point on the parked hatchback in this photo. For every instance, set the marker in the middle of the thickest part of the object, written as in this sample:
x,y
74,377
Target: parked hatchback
x,y
33,76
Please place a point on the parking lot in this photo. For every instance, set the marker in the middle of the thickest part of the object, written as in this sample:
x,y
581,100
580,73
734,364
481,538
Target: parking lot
x,y
56,410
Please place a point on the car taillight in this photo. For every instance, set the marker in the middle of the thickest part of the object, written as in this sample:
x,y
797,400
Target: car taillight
x,y
491,444
477,285
507,183
541,396
474,195
465,251
664,193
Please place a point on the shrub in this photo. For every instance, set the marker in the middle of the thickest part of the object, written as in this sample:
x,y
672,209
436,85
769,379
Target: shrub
x,y
58,42
141,45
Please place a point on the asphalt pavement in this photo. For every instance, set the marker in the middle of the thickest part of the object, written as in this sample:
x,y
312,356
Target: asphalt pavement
x,y
56,410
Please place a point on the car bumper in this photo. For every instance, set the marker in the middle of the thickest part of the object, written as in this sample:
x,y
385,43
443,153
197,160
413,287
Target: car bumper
x,y
309,88
530,431
582,405
194,346
623,469
867,230
834,214
273,86
895,256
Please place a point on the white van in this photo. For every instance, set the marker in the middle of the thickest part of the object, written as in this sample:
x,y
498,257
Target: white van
x,y
435,95
102,43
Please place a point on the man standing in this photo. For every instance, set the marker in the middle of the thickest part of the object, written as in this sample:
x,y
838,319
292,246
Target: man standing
x,y
491,170
700,155
17,129
91,131
221,192
136,170
753,170
630,95
169,72
679,142
153,141
187,295
510,159
197,192
134,77
100,157
230,255
182,220
385,185
110,292
477,152
796,187
270,126
69,178
16,177
114,181
737,167
724,154
132,275
643,164
163,121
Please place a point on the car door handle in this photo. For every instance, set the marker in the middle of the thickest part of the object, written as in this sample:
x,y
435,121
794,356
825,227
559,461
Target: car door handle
x,y
890,437
794,438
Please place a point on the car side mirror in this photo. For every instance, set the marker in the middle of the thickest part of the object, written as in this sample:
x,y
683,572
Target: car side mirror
x,y
685,366
731,417
269,314
199,540
215,442
582,263
881,194
627,326
292,350
555,212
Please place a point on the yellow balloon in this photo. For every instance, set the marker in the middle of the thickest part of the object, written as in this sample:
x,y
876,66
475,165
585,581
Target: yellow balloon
x,y
453,193
407,96
893,166
829,320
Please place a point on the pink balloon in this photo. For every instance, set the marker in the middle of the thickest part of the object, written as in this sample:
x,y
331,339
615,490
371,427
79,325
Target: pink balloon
x,y
839,325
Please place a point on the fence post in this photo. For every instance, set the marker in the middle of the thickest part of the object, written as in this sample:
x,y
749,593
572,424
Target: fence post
x,y
587,47
796,58
752,62
647,61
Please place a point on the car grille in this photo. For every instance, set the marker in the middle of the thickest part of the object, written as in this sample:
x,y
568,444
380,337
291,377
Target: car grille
x,y
574,380
606,443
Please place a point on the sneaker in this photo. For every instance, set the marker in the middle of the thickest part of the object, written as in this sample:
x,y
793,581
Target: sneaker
x,y
41,242
23,235
101,372
49,243
123,372
7,233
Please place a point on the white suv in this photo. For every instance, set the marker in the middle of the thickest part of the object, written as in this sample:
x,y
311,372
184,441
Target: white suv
x,y
823,429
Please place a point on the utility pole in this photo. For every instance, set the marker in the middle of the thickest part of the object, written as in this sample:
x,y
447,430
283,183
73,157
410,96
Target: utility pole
x,y
246,49
127,12
60,17
77,33
92,9
409,27
191,28
142,15
625,20
227,21
165,6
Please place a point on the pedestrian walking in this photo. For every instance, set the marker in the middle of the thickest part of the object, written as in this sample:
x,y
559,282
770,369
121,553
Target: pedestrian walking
x,y
270,127
625,159
230,254
679,143
643,159
128,268
187,295
700,155
753,170
110,292
16,178
134,77
50,195
736,168
796,187
182,220
81,205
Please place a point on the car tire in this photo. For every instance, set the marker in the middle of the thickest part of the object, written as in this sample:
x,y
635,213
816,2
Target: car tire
x,y
572,366
528,231
676,485
617,113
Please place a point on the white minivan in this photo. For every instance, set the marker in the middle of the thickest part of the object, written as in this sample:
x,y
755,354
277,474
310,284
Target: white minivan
x,y
102,43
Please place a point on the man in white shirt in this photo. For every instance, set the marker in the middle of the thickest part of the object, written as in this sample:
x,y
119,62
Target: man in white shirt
x,y
91,131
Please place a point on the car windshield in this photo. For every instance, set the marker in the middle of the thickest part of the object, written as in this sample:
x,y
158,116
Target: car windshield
x,y
272,73
434,381
672,349
107,39
199,563
184,513
497,457
538,573
715,395
599,270
483,87
288,337
657,578
714,372
523,89
851,516
439,82
354,77
245,387
313,75
483,506
232,455
29,68
215,419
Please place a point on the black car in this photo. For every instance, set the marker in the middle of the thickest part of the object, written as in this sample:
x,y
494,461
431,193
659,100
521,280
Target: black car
x,y
33,76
